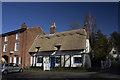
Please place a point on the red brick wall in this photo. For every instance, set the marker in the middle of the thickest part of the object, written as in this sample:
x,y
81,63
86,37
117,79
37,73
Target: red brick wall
x,y
31,35
25,41
11,45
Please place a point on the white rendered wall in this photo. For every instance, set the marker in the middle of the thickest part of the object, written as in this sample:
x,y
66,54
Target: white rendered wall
x,y
87,46
67,64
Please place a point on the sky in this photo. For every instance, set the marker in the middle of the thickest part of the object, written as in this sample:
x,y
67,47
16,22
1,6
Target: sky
x,y
62,13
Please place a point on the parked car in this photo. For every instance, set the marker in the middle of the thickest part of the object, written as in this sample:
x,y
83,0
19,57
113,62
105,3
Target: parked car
x,y
11,67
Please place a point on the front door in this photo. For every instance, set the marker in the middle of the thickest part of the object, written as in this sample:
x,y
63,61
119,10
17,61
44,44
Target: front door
x,y
46,63
52,62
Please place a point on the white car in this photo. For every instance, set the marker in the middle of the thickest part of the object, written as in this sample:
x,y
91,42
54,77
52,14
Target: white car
x,y
11,67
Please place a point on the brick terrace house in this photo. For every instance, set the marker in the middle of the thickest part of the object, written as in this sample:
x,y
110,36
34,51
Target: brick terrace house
x,y
15,44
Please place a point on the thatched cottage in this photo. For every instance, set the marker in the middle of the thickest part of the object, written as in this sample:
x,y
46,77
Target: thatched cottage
x,y
63,49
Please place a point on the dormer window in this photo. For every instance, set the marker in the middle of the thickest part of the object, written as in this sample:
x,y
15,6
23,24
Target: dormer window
x,y
17,36
58,47
6,38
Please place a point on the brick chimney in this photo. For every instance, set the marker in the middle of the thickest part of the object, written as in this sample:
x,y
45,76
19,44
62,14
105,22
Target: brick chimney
x,y
53,28
86,28
23,25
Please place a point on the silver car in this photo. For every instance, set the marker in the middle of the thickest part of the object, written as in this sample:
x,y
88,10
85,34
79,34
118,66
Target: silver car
x,y
11,67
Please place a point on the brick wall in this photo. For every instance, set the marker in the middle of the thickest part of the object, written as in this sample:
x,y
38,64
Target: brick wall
x,y
25,41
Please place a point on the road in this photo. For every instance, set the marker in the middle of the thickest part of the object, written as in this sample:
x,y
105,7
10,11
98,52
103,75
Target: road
x,y
111,73
33,75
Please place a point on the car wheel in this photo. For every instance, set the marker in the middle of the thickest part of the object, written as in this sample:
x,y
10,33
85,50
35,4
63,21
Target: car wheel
x,y
21,70
5,72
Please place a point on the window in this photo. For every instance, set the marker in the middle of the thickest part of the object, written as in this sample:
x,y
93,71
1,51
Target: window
x,y
10,64
39,59
16,46
10,59
5,48
57,59
77,59
15,59
6,38
114,52
6,64
116,59
17,36
20,60
15,65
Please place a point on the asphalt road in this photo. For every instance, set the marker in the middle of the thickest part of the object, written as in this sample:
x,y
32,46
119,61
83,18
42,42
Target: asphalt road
x,y
111,74
33,75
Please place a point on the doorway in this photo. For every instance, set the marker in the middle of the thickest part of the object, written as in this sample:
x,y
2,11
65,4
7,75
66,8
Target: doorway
x,y
52,62
6,58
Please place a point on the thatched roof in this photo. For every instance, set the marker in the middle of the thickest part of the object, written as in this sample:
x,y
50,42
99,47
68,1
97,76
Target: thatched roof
x,y
68,40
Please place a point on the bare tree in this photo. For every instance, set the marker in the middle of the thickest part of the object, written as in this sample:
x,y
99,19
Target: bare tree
x,y
92,24
75,25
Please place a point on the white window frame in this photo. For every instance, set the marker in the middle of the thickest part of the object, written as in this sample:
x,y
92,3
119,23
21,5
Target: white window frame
x,y
20,60
5,48
16,46
17,36
41,58
77,62
11,60
56,60
6,38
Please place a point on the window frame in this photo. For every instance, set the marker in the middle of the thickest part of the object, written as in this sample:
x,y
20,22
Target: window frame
x,y
80,62
16,46
40,61
5,48
11,59
114,52
20,60
56,61
6,38
17,36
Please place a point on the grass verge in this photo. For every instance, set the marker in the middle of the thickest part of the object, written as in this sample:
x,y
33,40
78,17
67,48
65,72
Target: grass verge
x,y
65,69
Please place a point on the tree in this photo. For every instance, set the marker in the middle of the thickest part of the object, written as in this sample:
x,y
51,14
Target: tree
x,y
115,41
99,45
92,24
75,25
115,37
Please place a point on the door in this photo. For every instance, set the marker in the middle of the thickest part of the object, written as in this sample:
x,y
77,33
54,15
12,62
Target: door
x,y
5,57
52,62
46,63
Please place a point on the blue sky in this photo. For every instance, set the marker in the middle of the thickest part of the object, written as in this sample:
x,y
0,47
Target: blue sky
x,y
63,13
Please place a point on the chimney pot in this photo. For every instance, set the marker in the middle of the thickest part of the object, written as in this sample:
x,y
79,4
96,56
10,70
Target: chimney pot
x,y
86,28
53,28
23,25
